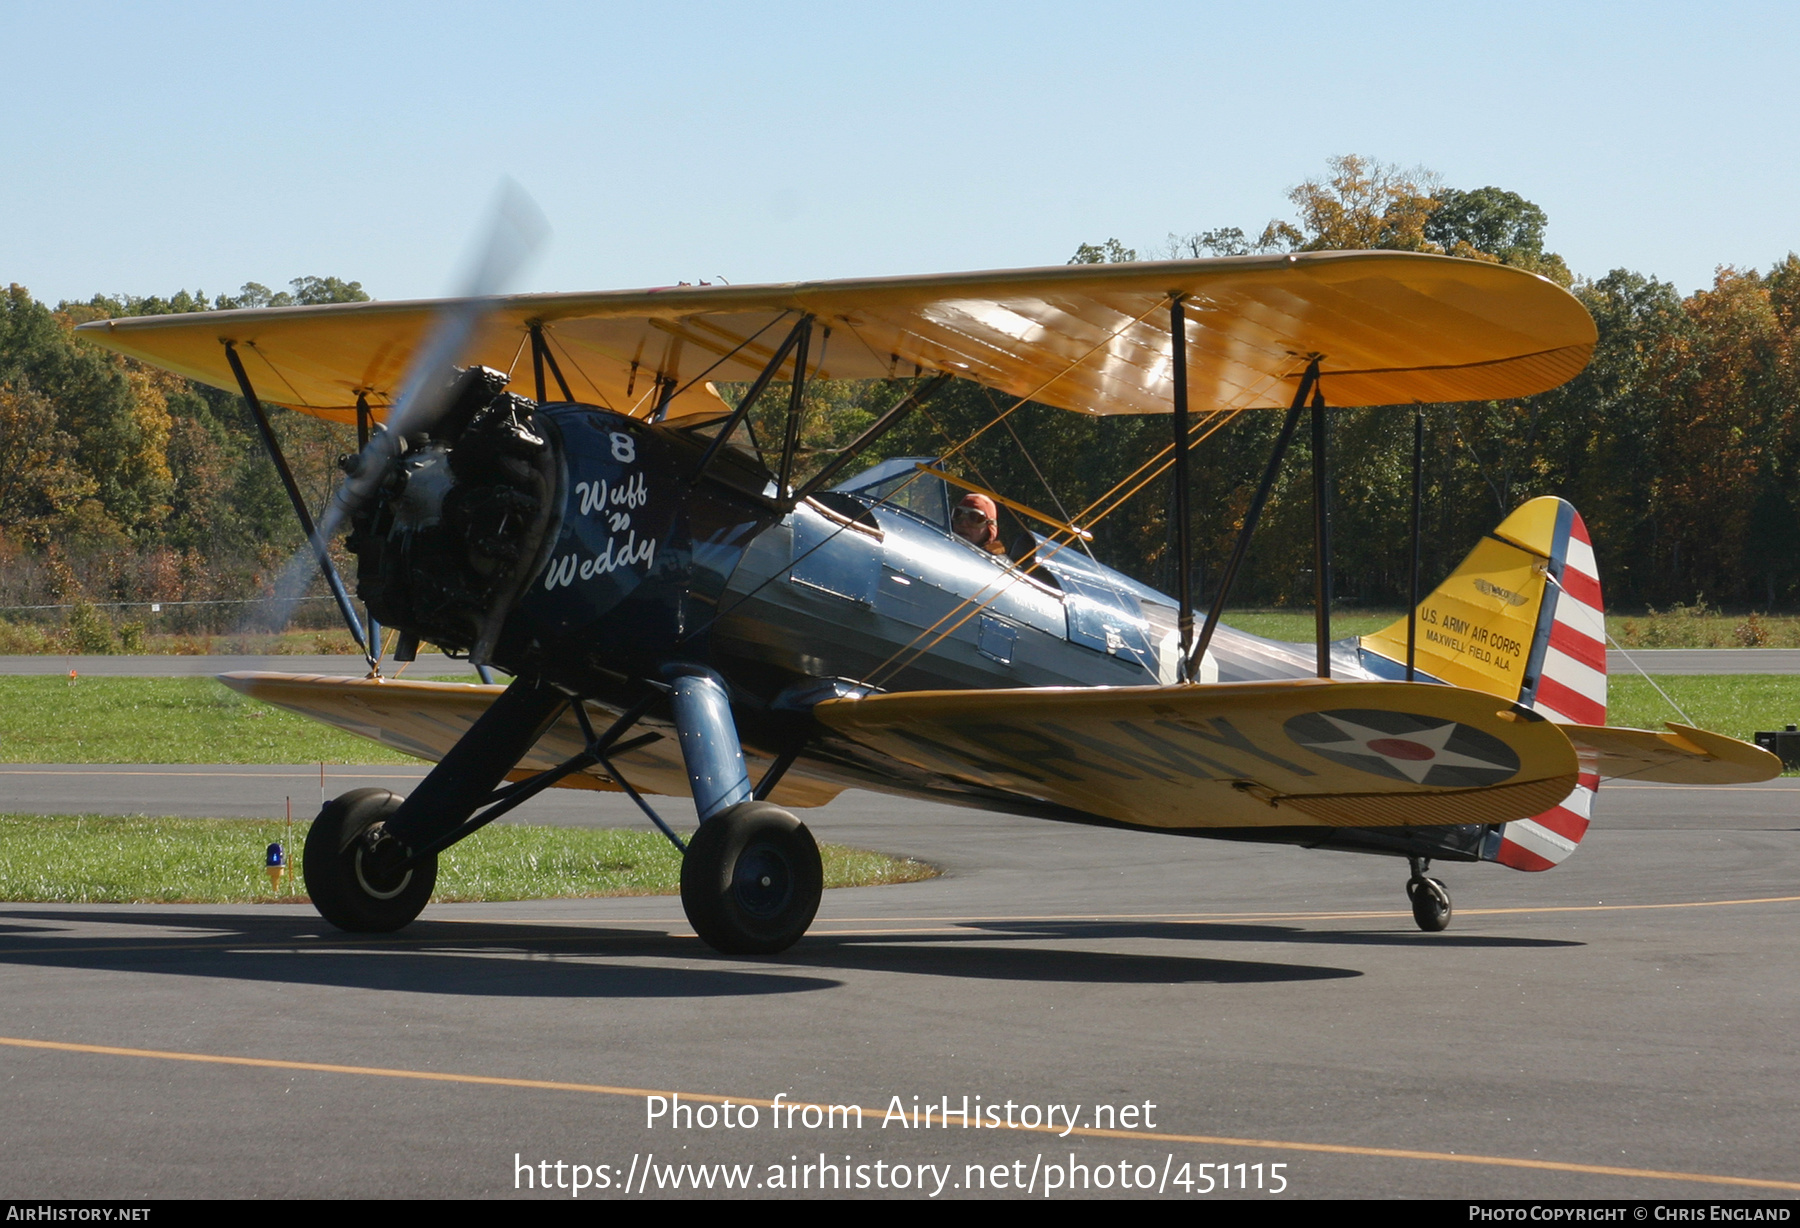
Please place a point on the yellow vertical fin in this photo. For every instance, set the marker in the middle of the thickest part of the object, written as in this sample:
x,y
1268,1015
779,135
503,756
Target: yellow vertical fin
x,y
1476,630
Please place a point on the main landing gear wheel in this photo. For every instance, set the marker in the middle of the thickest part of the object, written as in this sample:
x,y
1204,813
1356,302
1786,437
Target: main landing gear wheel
x,y
351,866
1430,903
751,880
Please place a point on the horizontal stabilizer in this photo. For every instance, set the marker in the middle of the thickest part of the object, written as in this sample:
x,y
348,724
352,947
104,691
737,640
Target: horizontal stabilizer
x,y
1684,755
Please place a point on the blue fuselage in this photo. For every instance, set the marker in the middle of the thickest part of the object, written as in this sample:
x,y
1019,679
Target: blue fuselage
x,y
864,583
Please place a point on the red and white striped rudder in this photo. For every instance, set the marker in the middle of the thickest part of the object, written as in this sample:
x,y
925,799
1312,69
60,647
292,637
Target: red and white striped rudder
x,y
1566,683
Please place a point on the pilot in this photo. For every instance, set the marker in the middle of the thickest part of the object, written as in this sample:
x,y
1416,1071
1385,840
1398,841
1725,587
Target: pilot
x,y
974,521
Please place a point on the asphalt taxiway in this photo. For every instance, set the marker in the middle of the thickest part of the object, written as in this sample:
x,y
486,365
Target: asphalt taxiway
x,y
1619,1027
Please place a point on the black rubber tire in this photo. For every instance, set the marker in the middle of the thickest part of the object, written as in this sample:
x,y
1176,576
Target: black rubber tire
x,y
1430,904
751,880
343,872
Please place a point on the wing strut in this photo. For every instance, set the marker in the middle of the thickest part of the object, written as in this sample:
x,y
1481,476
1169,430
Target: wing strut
x,y
293,492
917,397
790,440
1183,529
364,418
1308,382
1412,592
540,354
1321,535
803,328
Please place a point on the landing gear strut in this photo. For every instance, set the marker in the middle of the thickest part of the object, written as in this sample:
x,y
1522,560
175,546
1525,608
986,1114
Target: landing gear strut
x,y
1430,899
750,877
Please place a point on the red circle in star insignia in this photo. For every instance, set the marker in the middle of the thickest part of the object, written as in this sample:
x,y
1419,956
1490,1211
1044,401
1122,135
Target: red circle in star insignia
x,y
1401,748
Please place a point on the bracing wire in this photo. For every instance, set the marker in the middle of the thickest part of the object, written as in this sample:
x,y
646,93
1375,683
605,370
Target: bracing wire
x,y
1088,517
1204,428
1667,698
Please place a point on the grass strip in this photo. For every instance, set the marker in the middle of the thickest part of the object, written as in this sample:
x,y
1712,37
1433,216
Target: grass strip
x,y
1296,626
163,720
1736,705
99,859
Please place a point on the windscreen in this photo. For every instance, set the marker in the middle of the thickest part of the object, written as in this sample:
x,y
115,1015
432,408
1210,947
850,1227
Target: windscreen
x,y
897,483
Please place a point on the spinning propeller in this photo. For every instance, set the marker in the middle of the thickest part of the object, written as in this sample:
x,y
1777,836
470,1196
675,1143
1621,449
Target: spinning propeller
x,y
515,230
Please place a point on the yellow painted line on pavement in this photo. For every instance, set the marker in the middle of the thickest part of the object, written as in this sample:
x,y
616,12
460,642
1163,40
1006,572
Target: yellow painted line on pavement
x,y
1141,1136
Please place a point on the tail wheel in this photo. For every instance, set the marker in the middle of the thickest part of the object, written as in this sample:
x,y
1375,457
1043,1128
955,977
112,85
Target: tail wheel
x,y
751,880
352,866
1430,903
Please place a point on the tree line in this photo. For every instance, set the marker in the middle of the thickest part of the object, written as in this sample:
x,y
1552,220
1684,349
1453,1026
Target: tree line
x,y
1680,443
120,482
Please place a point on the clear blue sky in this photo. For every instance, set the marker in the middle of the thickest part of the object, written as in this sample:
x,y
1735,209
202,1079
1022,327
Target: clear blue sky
x,y
146,148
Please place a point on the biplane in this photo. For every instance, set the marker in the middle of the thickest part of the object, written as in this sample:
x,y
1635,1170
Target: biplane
x,y
682,614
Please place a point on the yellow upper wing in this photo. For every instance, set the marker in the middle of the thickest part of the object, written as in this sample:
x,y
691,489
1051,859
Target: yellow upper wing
x,y
1255,754
1389,328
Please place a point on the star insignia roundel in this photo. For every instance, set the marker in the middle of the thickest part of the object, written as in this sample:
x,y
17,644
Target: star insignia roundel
x,y
1424,750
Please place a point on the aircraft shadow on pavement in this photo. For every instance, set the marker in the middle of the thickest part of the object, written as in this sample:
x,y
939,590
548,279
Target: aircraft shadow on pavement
x,y
1215,931
474,960
513,959
957,955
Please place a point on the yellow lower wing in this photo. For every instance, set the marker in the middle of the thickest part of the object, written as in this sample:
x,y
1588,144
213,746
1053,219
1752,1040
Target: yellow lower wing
x,y
1683,755
427,718
1261,754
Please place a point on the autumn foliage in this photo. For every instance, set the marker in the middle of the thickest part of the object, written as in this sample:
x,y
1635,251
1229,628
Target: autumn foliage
x,y
1680,443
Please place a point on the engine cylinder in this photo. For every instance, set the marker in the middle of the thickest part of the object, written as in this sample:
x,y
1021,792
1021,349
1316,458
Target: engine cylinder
x,y
460,523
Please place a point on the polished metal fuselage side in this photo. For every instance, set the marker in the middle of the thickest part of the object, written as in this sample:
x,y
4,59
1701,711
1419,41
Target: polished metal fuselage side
x,y
851,585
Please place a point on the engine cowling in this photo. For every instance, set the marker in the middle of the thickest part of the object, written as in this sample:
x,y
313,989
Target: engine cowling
x,y
462,520
564,541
